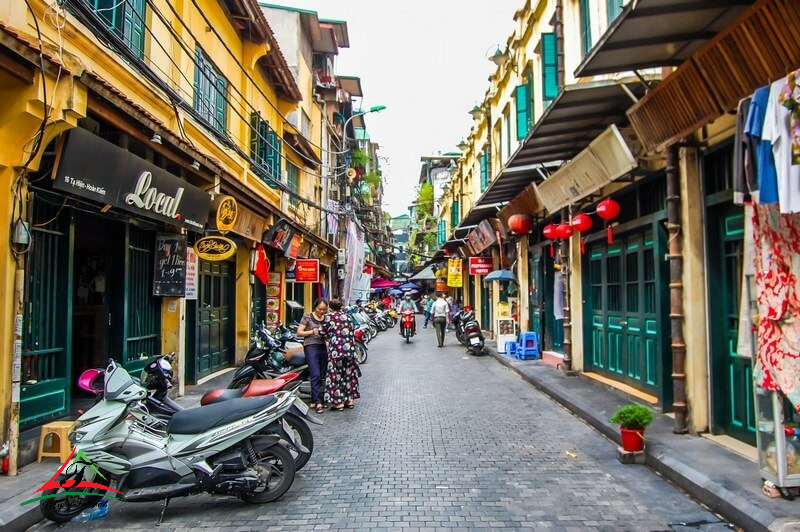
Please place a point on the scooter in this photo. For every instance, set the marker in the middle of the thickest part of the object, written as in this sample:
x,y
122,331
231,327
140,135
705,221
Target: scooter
x,y
215,449
473,335
268,358
407,329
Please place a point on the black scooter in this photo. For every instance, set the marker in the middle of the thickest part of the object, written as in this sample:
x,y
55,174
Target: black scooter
x,y
472,334
266,359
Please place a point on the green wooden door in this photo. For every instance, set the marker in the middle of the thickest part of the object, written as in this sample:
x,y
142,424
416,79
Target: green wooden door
x,y
624,304
47,321
535,281
215,317
142,310
731,378
486,307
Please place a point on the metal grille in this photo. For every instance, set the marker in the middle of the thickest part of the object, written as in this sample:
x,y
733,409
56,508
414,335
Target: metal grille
x,y
143,321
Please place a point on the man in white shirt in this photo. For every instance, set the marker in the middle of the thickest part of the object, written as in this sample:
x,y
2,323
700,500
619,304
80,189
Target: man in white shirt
x,y
440,312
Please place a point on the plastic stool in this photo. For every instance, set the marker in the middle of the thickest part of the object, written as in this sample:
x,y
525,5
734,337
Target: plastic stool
x,y
528,346
61,449
510,348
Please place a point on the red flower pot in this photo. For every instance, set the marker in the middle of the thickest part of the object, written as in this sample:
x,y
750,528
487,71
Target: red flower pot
x,y
632,439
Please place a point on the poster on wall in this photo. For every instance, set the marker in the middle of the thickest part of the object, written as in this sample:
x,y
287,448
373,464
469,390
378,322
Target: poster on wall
x,y
191,273
274,297
169,277
307,271
454,273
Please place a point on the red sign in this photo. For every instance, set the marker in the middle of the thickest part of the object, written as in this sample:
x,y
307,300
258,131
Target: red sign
x,y
306,271
368,270
480,265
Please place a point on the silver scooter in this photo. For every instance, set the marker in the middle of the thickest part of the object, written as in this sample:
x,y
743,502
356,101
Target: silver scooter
x,y
212,449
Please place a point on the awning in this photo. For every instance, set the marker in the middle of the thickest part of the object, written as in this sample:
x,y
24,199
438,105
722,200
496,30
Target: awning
x,y
575,118
652,33
383,283
425,274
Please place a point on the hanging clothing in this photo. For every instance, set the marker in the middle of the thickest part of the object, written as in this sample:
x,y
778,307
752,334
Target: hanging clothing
x,y
558,295
748,308
777,120
790,99
766,174
745,184
777,266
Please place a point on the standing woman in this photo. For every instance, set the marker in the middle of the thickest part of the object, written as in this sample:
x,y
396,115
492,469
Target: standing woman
x,y
309,329
343,371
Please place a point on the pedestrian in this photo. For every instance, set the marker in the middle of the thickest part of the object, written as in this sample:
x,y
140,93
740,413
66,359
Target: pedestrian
x,y
428,311
310,329
343,370
439,310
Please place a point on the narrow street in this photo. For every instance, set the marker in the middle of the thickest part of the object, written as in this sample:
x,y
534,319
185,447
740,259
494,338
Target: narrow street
x,y
444,440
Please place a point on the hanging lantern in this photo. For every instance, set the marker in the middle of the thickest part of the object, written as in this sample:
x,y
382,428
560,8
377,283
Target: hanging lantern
x,y
520,224
564,230
581,223
549,232
608,209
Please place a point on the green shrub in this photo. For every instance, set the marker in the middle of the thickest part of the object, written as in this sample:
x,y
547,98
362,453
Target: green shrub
x,y
633,416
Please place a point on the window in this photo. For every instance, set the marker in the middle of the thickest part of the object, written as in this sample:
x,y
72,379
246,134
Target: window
x,y
125,18
293,181
586,28
613,9
549,68
210,93
507,144
265,151
454,214
484,170
522,95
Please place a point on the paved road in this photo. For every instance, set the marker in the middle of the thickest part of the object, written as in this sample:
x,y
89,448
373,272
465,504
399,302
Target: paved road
x,y
444,440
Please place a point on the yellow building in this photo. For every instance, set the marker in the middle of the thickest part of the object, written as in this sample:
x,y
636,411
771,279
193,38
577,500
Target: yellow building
x,y
132,130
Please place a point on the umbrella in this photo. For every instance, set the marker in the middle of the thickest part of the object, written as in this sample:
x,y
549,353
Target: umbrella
x,y
379,282
500,275
395,292
409,286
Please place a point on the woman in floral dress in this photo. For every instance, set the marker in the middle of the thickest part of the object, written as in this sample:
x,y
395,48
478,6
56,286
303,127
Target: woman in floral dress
x,y
343,371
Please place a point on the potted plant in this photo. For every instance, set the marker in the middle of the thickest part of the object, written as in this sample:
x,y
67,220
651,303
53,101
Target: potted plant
x,y
632,419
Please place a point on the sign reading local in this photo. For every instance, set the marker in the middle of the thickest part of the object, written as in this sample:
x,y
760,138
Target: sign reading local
x,y
215,248
94,168
480,265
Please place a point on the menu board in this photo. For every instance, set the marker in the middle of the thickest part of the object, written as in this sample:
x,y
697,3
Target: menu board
x,y
274,298
169,277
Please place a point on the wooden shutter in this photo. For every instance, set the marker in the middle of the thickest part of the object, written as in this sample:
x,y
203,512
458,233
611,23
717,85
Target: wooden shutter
x,y
484,171
523,109
613,9
586,28
549,68
221,104
255,119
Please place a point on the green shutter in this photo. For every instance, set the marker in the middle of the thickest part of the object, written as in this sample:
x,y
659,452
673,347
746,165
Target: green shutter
x,y
613,9
586,27
549,67
198,78
254,145
484,171
523,108
454,214
134,26
221,104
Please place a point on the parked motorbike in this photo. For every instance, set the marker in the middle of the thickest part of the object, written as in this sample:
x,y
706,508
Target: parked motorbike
x,y
268,358
473,335
361,346
214,449
458,320
407,328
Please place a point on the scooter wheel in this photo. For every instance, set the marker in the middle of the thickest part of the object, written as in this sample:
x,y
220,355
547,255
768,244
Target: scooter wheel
x,y
275,466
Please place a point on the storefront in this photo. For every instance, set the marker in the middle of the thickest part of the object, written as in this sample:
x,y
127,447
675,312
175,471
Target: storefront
x,y
91,292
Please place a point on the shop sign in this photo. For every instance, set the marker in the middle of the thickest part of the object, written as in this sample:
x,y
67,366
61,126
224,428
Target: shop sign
x,y
215,248
454,273
248,224
274,298
368,270
227,213
169,277
306,271
481,237
480,265
279,236
293,249
94,168
289,269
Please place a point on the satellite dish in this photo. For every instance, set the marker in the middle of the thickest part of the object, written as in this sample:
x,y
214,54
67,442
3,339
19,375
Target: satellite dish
x,y
351,173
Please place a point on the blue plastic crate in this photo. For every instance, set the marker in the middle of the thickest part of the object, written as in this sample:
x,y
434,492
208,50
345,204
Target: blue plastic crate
x,y
528,346
511,348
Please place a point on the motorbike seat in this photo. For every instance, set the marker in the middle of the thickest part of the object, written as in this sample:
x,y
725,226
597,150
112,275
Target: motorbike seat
x,y
202,418
264,387
221,394
296,359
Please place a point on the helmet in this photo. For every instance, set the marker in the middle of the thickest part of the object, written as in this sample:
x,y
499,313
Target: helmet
x,y
157,375
408,296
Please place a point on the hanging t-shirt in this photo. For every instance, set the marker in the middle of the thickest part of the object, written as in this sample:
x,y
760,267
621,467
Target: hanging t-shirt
x,y
777,131
765,163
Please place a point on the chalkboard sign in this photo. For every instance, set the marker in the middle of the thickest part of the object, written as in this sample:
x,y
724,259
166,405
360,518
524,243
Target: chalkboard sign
x,y
170,267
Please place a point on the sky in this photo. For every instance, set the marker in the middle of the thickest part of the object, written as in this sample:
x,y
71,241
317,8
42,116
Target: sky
x,y
427,62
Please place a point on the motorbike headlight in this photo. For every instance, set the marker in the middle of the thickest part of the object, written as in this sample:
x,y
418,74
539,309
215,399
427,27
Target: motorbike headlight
x,y
76,434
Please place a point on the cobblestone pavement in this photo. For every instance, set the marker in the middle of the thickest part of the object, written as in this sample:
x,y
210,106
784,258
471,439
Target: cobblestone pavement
x,y
442,440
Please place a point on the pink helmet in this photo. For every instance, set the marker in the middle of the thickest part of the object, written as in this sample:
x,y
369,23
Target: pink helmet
x,y
91,380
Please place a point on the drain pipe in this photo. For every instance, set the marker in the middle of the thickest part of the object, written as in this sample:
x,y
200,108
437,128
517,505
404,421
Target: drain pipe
x,y
675,246
567,325
559,31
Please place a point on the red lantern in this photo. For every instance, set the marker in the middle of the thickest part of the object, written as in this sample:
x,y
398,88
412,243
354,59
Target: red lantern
x,y
608,209
564,230
582,222
520,224
549,232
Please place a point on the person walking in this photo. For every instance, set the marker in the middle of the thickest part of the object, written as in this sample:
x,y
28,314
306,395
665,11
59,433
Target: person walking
x,y
310,329
343,371
428,311
440,310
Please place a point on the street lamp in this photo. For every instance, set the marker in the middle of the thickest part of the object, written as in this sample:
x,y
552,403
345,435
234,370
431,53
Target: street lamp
x,y
343,189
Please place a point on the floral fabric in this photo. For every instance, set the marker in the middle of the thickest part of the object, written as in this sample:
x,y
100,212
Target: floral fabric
x,y
777,267
343,372
790,98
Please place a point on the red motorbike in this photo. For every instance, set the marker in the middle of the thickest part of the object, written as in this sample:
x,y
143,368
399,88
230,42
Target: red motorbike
x,y
408,326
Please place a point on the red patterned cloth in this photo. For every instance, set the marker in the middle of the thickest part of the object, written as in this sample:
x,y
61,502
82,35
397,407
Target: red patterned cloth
x,y
777,265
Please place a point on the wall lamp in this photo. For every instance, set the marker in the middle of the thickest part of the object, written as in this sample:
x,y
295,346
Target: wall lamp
x,y
477,112
463,145
156,138
196,165
500,58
